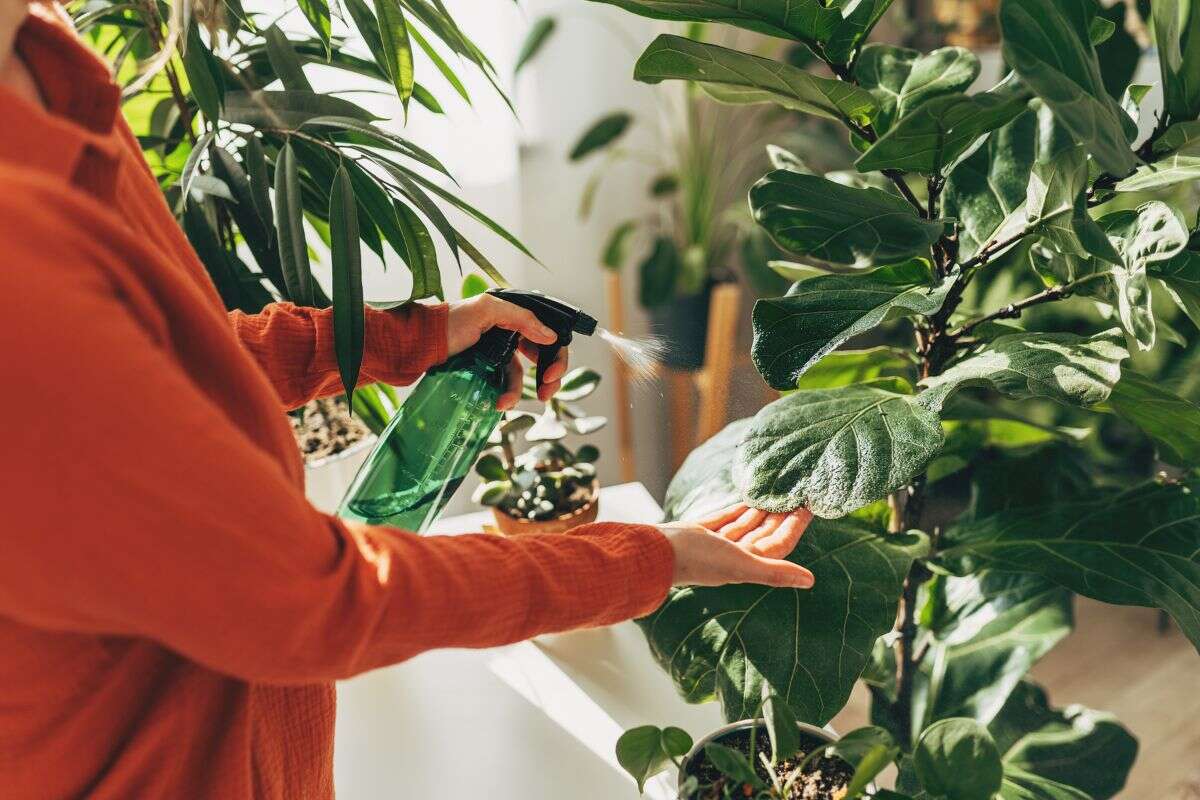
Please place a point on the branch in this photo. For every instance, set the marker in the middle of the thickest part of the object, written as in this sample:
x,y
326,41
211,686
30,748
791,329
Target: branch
x,y
897,178
1014,310
994,247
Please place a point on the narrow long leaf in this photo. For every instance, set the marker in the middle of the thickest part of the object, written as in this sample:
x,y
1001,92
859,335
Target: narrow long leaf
x,y
397,49
289,226
440,63
317,14
349,315
419,254
284,60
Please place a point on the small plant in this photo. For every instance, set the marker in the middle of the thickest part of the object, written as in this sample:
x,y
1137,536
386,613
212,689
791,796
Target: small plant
x,y
962,486
549,480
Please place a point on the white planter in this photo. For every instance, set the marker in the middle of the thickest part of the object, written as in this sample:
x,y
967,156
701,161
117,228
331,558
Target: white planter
x,y
326,481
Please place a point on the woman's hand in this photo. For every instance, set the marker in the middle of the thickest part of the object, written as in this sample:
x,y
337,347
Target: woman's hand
x,y
470,319
769,535
702,559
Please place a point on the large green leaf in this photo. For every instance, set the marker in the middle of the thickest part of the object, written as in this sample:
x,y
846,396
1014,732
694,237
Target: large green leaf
x,y
853,29
990,629
990,185
1172,422
1180,274
901,79
419,254
658,273
1152,233
815,217
349,327
1087,750
204,75
834,451
794,332
844,367
810,646
1062,366
809,21
1161,174
285,61
1047,43
287,110
1177,31
647,750
703,483
1021,785
1180,136
289,227
397,49
956,759
736,77
934,134
1136,547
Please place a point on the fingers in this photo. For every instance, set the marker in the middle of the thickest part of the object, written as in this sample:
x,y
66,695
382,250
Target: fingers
x,y
750,519
552,380
781,541
719,519
512,387
513,317
773,572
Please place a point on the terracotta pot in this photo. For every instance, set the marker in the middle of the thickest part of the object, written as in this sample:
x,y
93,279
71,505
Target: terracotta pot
x,y
512,526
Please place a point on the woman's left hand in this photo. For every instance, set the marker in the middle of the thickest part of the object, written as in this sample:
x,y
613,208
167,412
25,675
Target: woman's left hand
x,y
759,532
470,319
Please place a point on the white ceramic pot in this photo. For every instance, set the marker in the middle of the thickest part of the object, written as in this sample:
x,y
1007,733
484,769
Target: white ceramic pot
x,y
326,480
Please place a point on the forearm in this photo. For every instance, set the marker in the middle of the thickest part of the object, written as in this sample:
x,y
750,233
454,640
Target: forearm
x,y
294,346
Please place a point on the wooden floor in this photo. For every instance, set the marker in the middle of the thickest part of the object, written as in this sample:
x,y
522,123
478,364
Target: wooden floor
x,y
1118,661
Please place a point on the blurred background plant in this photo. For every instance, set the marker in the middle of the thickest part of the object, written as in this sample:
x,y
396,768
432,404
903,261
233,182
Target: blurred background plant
x,y
277,185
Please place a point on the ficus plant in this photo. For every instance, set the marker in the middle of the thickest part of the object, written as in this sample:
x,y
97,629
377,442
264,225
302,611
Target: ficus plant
x,y
269,176
953,524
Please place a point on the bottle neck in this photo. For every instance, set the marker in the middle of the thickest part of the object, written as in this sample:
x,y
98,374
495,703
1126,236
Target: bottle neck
x,y
489,356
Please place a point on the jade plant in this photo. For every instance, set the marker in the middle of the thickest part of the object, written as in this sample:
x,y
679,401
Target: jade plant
x,y
549,479
260,166
955,516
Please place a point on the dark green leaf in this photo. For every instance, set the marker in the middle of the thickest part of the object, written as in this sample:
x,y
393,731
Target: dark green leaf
x,y
869,750
809,21
587,454
615,250
664,185
989,186
1019,785
289,227
956,759
491,467
732,764
257,227
349,325
1087,750
1062,366
936,133
439,62
732,76
419,254
1172,422
658,273
793,333
535,40
816,217
646,750
1136,547
397,50
204,76
1119,53
809,646
1180,274
287,110
901,79
1047,43
853,28
1160,174
1180,136
601,133
782,727
284,61
834,451
1177,32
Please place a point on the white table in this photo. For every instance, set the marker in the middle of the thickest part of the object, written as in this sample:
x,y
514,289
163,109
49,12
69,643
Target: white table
x,y
525,722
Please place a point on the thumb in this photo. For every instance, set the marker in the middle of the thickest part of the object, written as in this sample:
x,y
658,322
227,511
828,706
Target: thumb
x,y
776,572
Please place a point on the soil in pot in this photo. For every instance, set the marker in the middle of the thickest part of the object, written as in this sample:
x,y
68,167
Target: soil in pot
x,y
325,428
824,779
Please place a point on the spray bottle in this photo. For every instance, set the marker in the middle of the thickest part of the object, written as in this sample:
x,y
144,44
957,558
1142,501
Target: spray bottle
x,y
429,447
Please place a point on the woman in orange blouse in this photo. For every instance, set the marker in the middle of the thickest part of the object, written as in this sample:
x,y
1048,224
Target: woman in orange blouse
x,y
173,613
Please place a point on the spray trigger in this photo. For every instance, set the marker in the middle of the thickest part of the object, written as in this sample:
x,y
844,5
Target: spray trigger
x,y
562,318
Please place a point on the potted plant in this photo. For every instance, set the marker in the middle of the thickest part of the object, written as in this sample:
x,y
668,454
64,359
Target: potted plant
x,y
958,470
270,178
548,488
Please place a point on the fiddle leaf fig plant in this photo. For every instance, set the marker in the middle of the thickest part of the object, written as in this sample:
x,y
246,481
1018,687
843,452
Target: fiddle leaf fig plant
x,y
956,516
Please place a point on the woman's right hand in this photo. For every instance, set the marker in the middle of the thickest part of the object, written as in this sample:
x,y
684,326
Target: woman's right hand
x,y
705,558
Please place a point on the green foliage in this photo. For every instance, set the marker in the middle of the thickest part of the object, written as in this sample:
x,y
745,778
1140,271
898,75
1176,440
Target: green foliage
x,y
912,405
646,750
233,116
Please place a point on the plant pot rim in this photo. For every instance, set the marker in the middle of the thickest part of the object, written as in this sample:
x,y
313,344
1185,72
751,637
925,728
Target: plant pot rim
x,y
562,517
826,734
362,444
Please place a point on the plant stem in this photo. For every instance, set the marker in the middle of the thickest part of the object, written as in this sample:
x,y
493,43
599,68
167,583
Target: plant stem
x,y
1014,310
154,29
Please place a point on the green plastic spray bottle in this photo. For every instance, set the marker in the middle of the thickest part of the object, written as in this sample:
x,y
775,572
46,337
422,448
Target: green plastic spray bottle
x,y
429,447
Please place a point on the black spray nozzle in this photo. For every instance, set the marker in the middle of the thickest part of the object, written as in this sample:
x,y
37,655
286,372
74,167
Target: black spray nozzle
x,y
562,318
